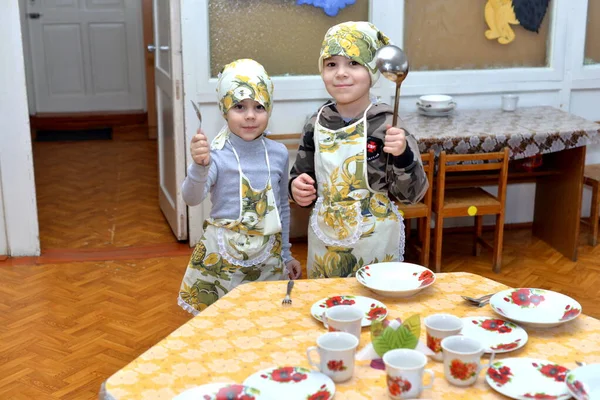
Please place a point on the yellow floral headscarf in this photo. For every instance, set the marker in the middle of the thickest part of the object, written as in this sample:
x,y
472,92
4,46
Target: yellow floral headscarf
x,y
239,80
357,41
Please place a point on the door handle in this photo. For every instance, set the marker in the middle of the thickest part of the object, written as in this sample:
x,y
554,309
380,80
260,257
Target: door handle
x,y
151,48
164,48
34,15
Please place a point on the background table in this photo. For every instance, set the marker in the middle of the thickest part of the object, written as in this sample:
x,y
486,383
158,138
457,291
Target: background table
x,y
249,330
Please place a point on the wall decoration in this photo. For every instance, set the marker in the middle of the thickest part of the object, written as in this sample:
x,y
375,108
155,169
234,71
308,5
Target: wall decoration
x,y
500,14
331,7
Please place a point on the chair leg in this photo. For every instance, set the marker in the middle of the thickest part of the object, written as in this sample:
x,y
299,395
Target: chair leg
x,y
426,241
437,244
594,214
498,243
477,234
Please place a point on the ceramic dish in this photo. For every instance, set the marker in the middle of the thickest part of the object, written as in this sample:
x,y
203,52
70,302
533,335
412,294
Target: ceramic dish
x,y
528,378
584,382
435,113
435,101
221,391
372,309
537,308
395,279
495,335
292,383
449,107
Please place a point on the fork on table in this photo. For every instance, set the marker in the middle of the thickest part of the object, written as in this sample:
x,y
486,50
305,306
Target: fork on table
x,y
287,300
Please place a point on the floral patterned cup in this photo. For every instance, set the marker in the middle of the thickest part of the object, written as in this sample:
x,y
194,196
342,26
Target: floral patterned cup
x,y
336,353
343,319
404,369
438,327
462,360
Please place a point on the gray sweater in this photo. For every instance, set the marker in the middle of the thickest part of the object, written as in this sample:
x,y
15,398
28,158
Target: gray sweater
x,y
221,178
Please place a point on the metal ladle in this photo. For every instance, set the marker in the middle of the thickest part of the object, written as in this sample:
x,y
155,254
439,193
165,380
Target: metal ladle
x,y
391,61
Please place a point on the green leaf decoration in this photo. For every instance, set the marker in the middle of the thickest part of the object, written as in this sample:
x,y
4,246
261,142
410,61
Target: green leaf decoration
x,y
376,329
413,323
390,339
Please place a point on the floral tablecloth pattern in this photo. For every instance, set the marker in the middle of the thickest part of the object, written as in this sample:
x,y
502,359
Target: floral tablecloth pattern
x,y
249,330
527,131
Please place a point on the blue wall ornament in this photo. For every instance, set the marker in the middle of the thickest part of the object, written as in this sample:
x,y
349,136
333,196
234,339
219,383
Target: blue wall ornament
x,y
331,7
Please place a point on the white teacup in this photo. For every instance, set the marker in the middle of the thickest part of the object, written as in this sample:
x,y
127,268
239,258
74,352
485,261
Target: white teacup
x,y
509,102
462,360
439,326
336,355
435,101
343,319
404,369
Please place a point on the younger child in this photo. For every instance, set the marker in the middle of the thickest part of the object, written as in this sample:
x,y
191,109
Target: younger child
x,y
246,237
350,158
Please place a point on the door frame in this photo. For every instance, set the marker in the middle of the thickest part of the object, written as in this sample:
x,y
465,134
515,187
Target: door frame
x,y
148,38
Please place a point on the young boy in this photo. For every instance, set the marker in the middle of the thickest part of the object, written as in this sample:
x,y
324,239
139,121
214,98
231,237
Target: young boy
x,y
350,158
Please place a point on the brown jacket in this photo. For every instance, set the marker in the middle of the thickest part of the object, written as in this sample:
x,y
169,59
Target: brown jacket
x,y
402,176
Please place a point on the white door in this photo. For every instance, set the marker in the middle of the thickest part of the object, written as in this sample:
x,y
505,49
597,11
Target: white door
x,y
168,74
86,55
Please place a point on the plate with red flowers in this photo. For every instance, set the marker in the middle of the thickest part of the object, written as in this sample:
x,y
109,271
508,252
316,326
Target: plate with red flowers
x,y
221,391
496,335
395,279
373,310
292,383
528,378
584,382
536,308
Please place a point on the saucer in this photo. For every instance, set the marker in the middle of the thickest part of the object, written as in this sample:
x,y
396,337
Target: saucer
x,y
424,108
220,391
495,335
372,309
584,382
292,383
435,113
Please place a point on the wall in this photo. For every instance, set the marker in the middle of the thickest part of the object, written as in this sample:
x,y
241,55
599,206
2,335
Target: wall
x,y
16,164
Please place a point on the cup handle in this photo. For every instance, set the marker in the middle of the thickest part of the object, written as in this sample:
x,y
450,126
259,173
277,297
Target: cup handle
x,y
324,320
430,372
488,365
310,361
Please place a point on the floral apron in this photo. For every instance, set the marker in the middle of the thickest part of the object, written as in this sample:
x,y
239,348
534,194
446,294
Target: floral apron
x,y
351,225
232,252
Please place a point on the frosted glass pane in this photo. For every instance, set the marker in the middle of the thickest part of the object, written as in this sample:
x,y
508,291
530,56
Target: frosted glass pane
x,y
450,35
284,37
592,36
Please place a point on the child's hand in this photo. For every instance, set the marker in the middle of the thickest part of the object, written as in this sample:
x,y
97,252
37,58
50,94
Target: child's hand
x,y
303,190
395,141
200,149
294,269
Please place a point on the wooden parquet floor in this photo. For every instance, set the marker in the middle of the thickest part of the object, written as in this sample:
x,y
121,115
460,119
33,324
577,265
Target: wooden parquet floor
x,y
97,298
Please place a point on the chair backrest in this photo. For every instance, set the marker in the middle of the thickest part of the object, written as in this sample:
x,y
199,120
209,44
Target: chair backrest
x,y
428,160
497,161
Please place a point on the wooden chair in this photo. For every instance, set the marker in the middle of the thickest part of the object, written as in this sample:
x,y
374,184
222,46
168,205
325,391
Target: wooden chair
x,y
472,201
422,211
591,177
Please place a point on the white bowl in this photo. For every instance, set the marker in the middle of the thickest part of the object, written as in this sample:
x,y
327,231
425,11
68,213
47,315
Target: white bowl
x,y
435,101
395,279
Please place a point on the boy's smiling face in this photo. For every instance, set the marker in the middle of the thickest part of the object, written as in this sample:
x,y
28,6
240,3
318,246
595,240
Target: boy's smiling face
x,y
248,119
347,82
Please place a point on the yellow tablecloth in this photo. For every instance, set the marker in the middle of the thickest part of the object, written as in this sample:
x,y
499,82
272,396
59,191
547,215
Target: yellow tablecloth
x,y
249,330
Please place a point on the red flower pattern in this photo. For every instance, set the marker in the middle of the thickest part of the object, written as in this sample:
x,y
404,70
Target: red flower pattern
x,y
554,371
570,313
397,385
338,300
435,344
525,298
577,388
322,394
500,375
427,274
506,346
462,371
495,325
539,396
376,312
337,366
233,392
286,374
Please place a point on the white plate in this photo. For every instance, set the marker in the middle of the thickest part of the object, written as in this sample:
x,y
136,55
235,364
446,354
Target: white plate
x,y
584,382
496,335
523,378
537,308
291,383
395,279
372,309
435,113
220,391
426,109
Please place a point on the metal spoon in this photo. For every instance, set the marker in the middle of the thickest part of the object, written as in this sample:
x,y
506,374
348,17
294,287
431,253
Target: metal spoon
x,y
199,115
391,61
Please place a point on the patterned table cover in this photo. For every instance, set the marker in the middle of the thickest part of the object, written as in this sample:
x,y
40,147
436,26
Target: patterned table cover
x,y
249,330
527,131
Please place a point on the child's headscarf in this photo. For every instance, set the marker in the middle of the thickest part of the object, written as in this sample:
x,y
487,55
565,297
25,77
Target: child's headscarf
x,y
357,41
239,80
